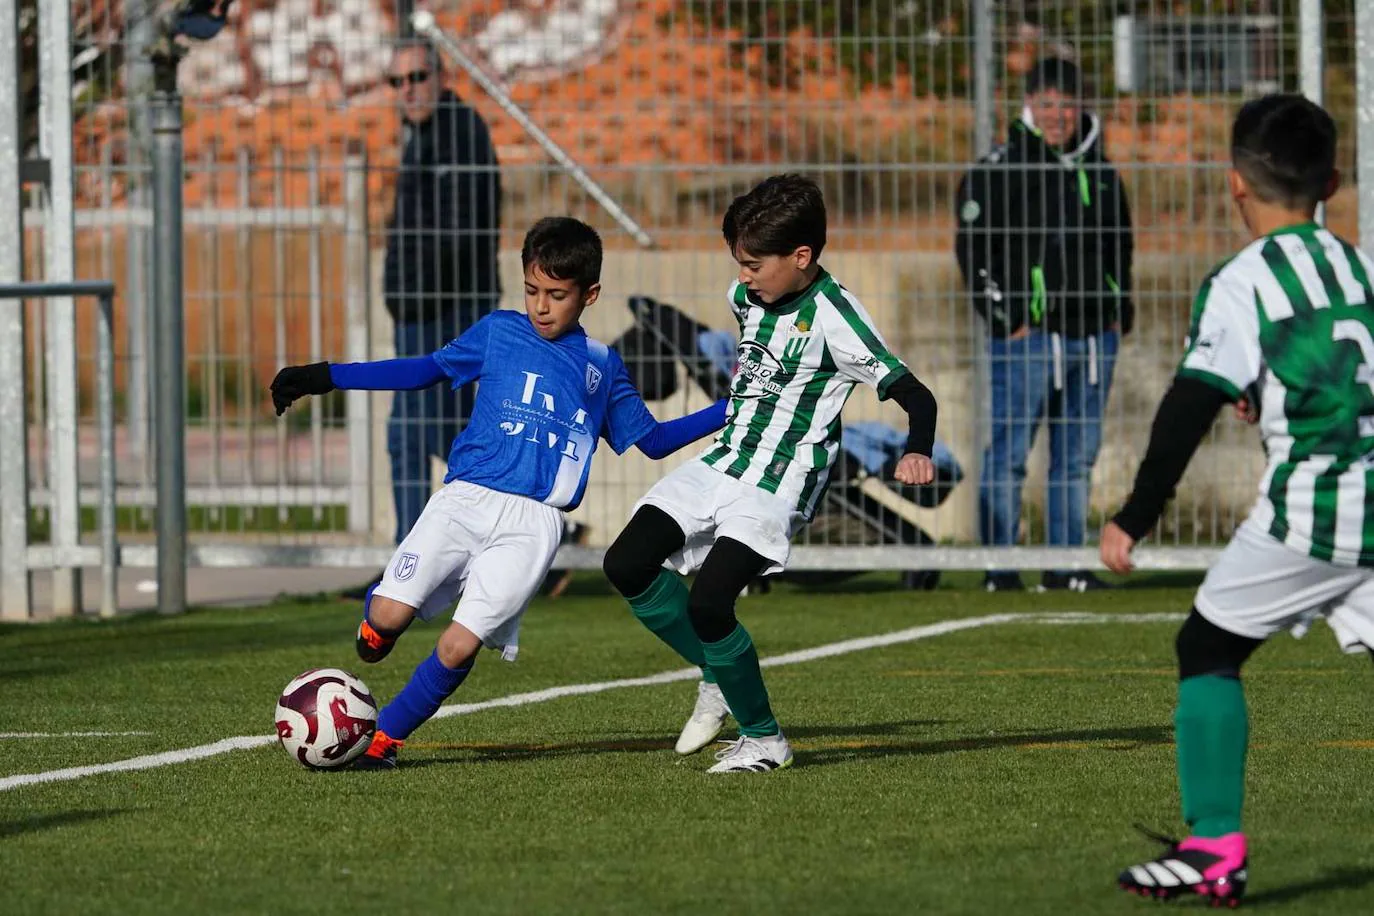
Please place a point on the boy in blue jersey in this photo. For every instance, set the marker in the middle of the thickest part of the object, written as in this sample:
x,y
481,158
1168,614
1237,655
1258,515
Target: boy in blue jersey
x,y
546,393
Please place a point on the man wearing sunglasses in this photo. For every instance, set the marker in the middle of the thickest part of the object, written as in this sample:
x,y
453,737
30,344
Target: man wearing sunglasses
x,y
441,270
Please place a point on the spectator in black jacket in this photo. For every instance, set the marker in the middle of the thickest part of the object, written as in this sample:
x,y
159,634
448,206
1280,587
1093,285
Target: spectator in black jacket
x,y
1044,244
441,272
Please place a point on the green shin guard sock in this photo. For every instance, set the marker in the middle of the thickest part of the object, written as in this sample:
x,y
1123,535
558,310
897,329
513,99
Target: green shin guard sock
x,y
736,665
663,609
1211,730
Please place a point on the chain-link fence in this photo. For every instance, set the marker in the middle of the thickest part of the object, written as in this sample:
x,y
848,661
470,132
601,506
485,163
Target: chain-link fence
x,y
293,144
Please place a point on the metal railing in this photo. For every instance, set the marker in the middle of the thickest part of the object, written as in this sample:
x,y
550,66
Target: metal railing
x,y
282,242
17,555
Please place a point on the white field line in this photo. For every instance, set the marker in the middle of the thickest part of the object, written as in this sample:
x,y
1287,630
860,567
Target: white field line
x,y
17,735
245,742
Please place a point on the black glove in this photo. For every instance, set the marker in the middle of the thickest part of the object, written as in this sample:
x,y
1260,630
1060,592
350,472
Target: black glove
x,y
296,382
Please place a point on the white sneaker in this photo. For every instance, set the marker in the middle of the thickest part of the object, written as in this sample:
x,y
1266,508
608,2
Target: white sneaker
x,y
754,755
708,718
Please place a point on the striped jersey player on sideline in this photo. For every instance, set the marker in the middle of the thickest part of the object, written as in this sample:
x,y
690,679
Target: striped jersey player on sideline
x,y
1284,329
805,342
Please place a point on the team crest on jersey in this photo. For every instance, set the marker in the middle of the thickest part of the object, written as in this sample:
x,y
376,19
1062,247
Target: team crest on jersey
x,y
593,378
406,564
797,337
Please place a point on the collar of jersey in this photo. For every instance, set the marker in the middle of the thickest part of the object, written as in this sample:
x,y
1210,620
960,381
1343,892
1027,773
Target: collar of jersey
x,y
789,304
1308,226
573,331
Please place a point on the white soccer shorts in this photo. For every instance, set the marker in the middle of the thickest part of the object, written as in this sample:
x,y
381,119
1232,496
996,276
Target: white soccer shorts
x,y
1260,586
492,549
707,504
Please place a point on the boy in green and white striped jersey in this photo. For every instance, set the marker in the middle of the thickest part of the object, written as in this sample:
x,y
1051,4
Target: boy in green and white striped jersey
x,y
1284,328
805,342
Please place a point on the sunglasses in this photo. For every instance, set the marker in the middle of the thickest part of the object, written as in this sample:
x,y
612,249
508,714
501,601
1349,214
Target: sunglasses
x,y
414,77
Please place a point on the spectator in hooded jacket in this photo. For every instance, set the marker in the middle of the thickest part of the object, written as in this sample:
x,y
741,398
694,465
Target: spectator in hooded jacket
x,y
1044,243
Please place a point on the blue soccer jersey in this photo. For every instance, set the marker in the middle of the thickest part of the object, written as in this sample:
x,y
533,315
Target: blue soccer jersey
x,y
541,406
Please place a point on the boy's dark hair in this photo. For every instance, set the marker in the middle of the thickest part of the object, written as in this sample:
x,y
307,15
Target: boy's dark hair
x,y
1284,146
778,216
1054,73
565,249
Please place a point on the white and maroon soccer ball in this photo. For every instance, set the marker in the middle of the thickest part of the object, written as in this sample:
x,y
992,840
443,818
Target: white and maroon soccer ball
x,y
325,718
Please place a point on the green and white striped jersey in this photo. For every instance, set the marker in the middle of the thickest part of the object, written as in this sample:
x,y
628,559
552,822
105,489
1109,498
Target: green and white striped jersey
x,y
798,364
1290,321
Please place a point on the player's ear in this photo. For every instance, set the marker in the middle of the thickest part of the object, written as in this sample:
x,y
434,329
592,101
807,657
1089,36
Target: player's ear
x,y
591,294
1332,185
1237,185
801,257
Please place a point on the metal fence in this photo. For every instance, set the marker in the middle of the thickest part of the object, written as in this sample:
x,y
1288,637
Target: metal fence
x,y
671,108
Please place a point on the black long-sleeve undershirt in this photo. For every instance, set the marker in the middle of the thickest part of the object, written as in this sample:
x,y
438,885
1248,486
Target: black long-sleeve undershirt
x,y
1185,415
919,403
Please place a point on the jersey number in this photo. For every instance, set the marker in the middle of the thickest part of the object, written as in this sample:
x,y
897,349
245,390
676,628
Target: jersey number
x,y
1356,331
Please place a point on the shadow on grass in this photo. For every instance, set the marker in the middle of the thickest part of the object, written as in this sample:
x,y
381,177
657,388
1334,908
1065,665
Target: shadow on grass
x,y
845,749
41,822
819,745
483,751
1333,879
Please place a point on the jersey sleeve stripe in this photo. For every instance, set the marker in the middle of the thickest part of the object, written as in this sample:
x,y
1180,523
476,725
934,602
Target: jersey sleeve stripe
x,y
864,331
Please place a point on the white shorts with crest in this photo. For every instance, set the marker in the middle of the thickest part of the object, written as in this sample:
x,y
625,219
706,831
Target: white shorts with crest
x,y
486,550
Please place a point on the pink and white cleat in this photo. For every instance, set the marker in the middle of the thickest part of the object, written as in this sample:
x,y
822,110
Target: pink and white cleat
x,y
1214,867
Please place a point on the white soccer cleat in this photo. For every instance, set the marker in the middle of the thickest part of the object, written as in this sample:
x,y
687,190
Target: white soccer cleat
x,y
708,718
754,755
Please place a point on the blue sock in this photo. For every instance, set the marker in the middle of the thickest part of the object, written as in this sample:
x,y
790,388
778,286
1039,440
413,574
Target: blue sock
x,y
432,683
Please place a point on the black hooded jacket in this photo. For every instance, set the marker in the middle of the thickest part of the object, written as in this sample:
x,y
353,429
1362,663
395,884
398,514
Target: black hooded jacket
x,y
1044,236
444,232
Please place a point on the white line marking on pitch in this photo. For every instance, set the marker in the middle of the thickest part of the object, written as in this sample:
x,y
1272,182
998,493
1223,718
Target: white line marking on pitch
x,y
13,735
245,742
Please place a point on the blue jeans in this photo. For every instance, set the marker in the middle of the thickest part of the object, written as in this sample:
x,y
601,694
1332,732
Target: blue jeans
x,y
1024,388
423,423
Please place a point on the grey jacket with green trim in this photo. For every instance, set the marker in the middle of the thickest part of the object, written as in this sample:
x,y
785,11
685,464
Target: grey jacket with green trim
x,y
1044,235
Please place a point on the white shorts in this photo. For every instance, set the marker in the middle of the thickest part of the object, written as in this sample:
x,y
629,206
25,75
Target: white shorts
x,y
1260,586
707,504
494,549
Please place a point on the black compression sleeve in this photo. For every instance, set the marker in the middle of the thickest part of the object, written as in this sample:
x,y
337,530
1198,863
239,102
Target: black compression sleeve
x,y
1185,414
919,403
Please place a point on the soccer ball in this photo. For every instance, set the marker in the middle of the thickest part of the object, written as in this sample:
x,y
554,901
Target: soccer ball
x,y
325,718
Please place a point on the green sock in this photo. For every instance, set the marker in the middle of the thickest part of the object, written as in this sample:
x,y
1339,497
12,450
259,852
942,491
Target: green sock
x,y
736,664
663,609
1211,730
